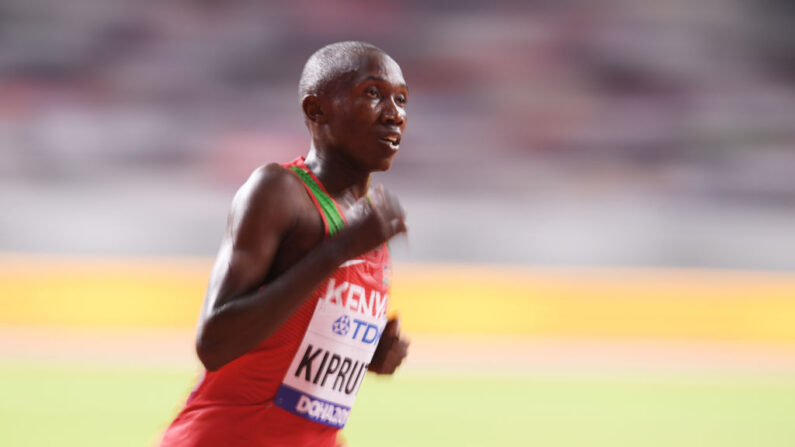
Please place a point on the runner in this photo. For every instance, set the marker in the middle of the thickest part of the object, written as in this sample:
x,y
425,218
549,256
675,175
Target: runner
x,y
295,311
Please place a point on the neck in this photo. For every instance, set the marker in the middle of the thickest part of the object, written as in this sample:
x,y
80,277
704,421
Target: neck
x,y
338,175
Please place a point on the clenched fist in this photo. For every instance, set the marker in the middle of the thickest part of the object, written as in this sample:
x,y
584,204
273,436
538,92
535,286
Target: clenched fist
x,y
372,221
391,350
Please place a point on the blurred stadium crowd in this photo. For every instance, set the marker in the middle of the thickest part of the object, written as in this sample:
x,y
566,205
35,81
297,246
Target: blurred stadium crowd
x,y
641,133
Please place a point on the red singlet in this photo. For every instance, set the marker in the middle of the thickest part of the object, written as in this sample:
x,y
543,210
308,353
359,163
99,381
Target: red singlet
x,y
297,386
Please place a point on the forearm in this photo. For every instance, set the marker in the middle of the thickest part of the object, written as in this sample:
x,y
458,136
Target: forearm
x,y
239,325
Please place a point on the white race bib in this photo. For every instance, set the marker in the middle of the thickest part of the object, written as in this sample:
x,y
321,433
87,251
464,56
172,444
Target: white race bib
x,y
330,364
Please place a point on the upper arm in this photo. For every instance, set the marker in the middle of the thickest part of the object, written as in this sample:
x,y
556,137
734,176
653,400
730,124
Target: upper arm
x,y
261,214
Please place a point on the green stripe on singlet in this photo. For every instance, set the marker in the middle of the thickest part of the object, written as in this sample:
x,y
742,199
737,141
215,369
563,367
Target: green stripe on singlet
x,y
327,206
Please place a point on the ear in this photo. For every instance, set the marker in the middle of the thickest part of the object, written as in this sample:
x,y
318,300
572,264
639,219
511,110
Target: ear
x,y
312,109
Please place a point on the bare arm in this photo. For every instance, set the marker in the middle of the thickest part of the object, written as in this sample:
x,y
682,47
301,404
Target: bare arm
x,y
237,314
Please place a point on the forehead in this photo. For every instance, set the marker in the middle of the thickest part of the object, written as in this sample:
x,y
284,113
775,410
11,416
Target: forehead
x,y
374,64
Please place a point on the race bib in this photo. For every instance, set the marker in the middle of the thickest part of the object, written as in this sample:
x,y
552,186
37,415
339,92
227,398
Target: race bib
x,y
330,364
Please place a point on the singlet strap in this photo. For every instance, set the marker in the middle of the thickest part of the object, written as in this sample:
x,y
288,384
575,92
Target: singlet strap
x,y
331,214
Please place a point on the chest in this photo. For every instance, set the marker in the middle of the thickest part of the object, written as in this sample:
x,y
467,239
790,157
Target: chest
x,y
307,232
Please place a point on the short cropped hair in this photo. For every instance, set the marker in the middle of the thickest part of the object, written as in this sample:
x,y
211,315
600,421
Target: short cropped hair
x,y
328,63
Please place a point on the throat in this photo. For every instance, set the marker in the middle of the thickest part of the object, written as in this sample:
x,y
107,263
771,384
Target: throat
x,y
342,180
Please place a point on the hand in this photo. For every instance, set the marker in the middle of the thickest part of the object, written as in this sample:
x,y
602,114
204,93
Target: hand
x,y
372,222
391,350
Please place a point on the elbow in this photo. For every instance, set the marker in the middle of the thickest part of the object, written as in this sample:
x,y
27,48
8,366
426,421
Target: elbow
x,y
208,353
209,363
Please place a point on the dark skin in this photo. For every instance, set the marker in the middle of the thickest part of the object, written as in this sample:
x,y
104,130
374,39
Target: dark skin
x,y
275,235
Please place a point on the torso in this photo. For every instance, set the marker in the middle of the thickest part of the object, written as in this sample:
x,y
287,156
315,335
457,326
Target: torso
x,y
235,405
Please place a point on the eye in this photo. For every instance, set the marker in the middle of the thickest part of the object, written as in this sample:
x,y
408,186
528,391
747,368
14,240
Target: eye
x,y
372,92
400,99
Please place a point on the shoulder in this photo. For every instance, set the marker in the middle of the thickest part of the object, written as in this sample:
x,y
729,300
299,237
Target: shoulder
x,y
272,177
271,192
271,183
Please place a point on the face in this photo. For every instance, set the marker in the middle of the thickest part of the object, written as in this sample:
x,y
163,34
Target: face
x,y
367,112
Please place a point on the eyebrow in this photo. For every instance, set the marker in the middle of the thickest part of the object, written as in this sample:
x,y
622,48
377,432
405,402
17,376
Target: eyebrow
x,y
379,78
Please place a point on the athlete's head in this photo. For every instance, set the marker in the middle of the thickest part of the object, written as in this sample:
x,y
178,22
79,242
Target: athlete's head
x,y
353,97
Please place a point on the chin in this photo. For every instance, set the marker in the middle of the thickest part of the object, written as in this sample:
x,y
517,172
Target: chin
x,y
384,164
376,162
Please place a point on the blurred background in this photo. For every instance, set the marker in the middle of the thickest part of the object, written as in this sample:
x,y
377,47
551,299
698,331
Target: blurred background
x,y
600,198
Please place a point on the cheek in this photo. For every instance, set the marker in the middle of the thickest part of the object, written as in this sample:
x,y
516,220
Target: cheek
x,y
365,109
358,118
362,121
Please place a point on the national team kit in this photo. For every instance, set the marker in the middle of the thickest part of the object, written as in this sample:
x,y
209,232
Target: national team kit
x,y
298,386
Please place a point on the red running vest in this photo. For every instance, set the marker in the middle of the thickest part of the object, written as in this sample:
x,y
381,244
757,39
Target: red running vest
x,y
297,387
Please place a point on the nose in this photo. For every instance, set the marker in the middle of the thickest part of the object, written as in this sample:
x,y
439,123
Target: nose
x,y
392,114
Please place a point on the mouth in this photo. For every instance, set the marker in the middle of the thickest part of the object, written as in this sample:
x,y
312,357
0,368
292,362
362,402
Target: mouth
x,y
393,140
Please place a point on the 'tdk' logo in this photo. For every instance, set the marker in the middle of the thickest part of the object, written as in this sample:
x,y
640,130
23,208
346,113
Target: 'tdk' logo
x,y
341,325
363,331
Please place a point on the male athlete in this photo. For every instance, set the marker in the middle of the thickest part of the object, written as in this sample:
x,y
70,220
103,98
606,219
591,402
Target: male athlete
x,y
295,311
